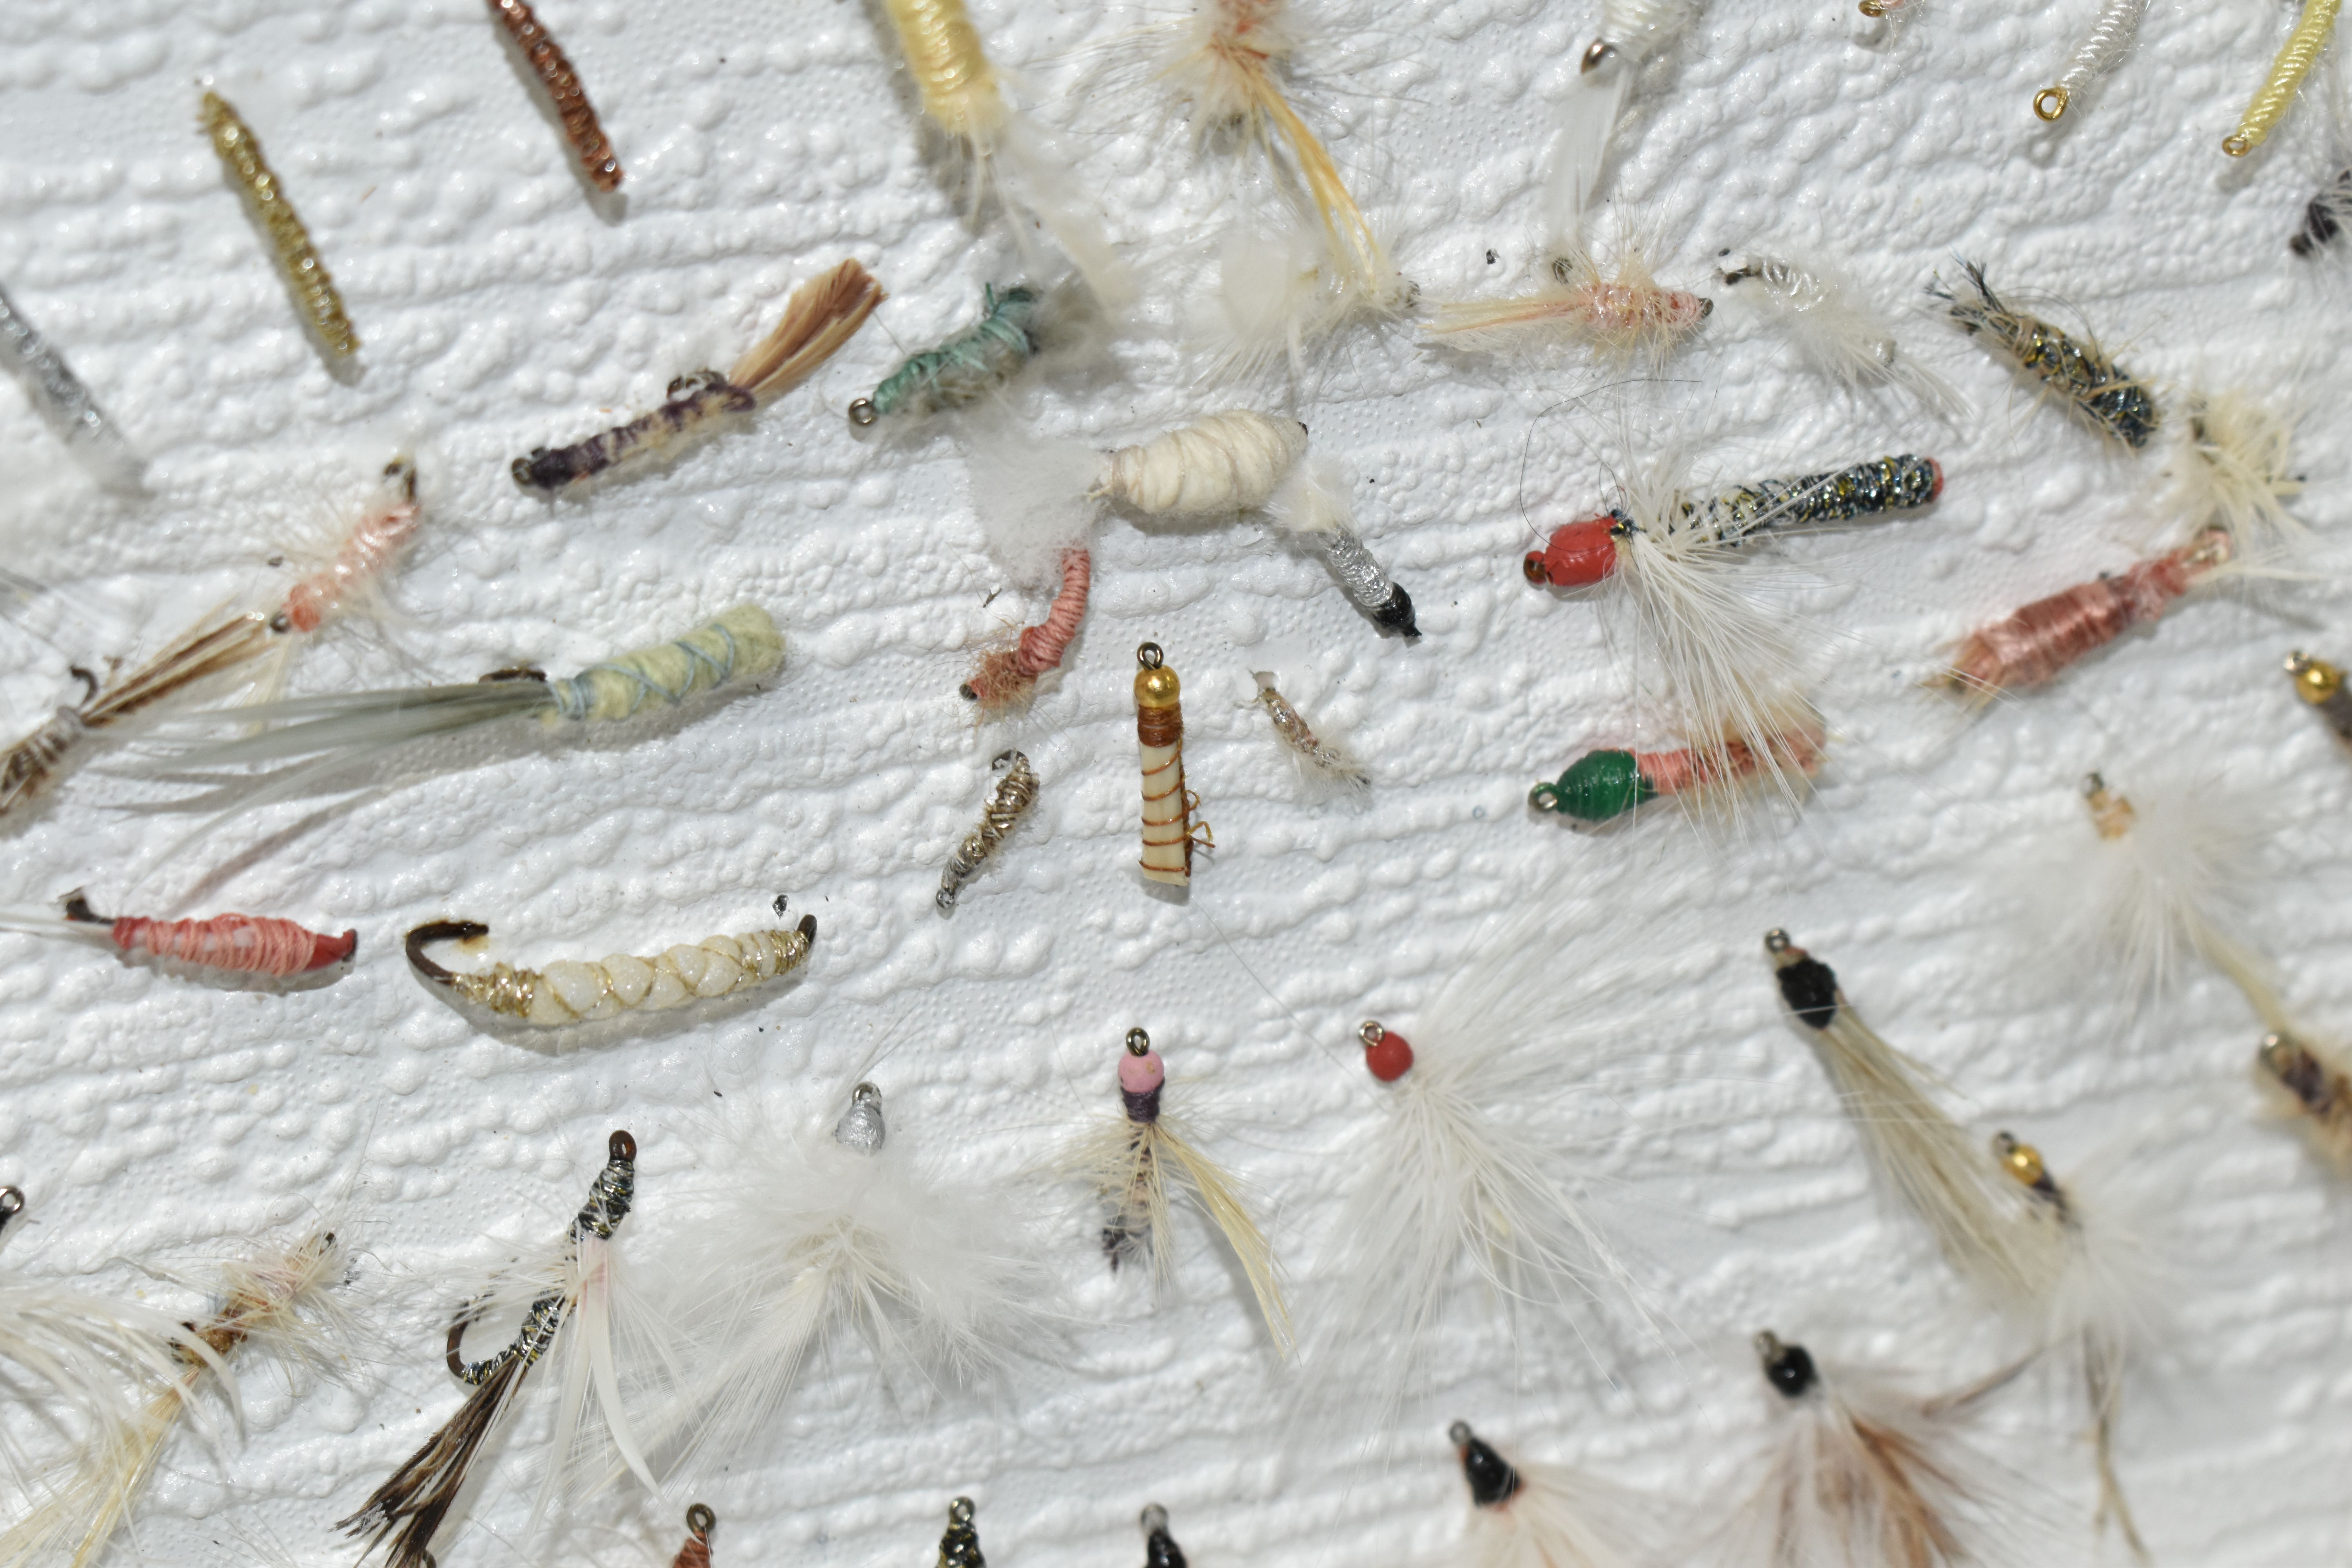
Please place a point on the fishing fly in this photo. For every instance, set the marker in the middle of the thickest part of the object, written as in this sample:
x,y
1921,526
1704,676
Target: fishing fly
x,y
2100,1279
2163,883
571,990
2316,1086
2077,372
1160,1548
1608,783
1866,1477
695,1551
1978,1217
571,1302
1633,33
817,1233
1466,1167
1014,327
1009,800
2031,647
1541,1516
232,944
822,314
89,1352
2276,95
1837,330
343,729
1232,461
1318,757
1727,660
565,94
222,645
963,101
2323,216
2320,685
1140,1161
279,1301
298,258
1624,316
68,407
2101,50
1312,508
959,1544
1170,834
1009,676
2238,473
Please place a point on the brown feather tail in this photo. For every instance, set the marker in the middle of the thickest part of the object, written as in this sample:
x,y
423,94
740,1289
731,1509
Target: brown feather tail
x,y
410,1507
822,315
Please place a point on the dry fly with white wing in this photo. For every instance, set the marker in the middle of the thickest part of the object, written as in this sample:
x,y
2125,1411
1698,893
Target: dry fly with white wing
x,y
575,1302
279,1300
813,1233
1620,312
1140,1162
1980,1219
1633,33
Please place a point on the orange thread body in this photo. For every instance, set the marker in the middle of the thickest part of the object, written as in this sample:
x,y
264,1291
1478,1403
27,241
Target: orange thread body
x,y
1007,676
553,68
2033,644
242,944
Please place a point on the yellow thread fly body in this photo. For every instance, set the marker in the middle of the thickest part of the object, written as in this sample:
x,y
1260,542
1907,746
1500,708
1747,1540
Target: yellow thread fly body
x,y
2295,58
314,289
952,71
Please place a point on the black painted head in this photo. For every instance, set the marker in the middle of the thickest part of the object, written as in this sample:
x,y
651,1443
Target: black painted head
x,y
1492,1480
1160,1548
1808,985
1789,1368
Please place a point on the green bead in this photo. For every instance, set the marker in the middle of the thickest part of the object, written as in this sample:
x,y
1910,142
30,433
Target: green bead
x,y
1597,786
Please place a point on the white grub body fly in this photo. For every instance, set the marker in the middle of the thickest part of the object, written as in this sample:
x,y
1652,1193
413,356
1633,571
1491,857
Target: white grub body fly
x,y
1615,307
1633,33
1321,760
1979,1217
2102,49
278,1301
1232,460
817,1232
1546,1516
1837,330
1139,1164
2161,879
577,1310
1865,1476
2102,1305
2238,473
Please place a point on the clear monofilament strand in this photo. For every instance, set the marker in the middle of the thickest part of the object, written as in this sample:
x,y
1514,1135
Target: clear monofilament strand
x,y
71,409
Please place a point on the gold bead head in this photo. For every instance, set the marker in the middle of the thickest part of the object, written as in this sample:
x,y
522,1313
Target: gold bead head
x,y
1156,687
2315,679
2023,1161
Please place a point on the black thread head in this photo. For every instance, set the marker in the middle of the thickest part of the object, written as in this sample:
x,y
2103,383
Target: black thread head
x,y
1160,1548
1396,613
1789,1368
1492,1481
621,1149
1808,985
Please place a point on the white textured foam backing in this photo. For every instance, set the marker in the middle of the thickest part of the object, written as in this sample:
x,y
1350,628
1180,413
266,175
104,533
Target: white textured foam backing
x,y
155,1118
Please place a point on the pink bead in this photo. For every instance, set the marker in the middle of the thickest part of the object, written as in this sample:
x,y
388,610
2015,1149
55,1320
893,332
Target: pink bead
x,y
1141,1075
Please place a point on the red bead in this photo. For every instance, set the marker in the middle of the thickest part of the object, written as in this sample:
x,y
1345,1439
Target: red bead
x,y
1581,554
1938,469
1390,1058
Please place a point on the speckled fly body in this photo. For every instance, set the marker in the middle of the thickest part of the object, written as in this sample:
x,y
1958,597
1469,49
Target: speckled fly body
x,y
2081,373
964,369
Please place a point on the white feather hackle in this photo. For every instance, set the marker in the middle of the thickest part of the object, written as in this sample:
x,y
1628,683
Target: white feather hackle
x,y
1546,1516
821,1230
1031,495
1837,329
1282,297
2237,472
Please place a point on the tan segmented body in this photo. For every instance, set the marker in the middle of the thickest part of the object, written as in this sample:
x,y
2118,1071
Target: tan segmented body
x,y
570,992
952,71
314,289
1169,831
